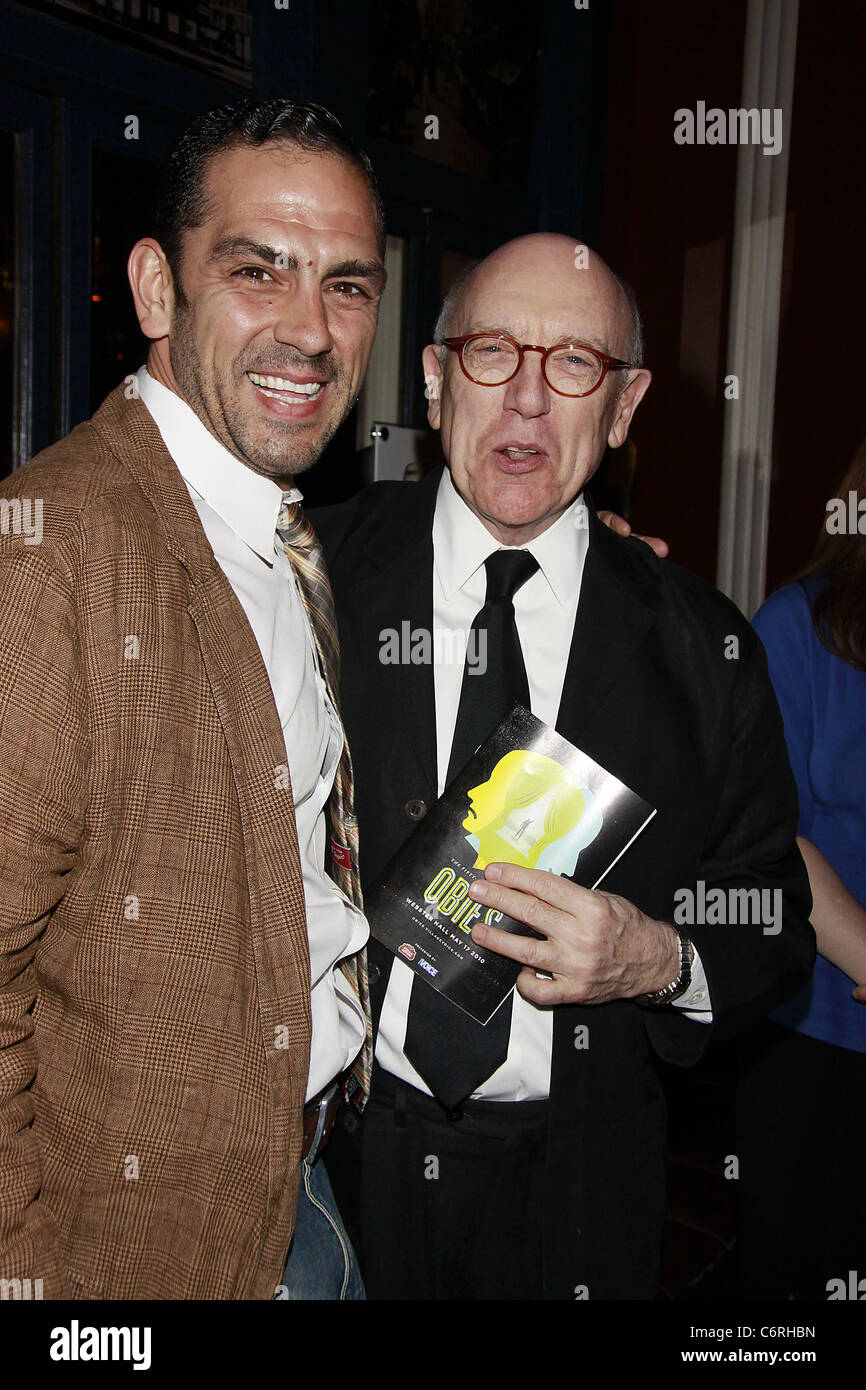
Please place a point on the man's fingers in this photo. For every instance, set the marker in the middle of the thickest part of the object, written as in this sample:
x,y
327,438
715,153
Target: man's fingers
x,y
615,523
548,888
621,527
541,992
655,543
526,950
522,907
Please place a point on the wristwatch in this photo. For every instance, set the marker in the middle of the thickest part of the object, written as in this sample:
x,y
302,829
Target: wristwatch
x,y
678,986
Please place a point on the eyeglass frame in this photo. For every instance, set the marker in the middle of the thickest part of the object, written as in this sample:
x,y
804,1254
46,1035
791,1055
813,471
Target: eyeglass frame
x,y
608,363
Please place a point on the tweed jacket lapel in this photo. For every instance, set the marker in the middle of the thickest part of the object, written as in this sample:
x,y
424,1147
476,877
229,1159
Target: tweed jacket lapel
x,y
247,711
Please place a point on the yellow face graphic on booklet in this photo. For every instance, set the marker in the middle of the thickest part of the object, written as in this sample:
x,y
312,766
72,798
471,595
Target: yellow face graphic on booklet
x,y
531,811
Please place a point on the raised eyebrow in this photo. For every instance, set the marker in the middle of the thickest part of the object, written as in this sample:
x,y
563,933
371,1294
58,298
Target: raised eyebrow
x,y
233,246
374,271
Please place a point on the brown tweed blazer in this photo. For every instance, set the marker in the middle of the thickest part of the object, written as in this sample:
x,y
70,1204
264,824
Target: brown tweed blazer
x,y
154,966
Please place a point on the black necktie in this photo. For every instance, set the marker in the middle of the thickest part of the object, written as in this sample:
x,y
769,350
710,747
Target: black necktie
x,y
453,1052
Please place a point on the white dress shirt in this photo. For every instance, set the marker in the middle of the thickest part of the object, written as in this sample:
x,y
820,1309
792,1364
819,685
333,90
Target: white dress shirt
x,y
545,608
238,510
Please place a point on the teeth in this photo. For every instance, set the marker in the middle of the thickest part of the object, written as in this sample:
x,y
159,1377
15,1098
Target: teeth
x,y
280,383
513,450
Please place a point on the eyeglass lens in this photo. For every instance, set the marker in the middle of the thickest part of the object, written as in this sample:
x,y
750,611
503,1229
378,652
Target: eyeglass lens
x,y
491,361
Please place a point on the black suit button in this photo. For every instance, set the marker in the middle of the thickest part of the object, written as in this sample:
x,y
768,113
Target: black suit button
x,y
415,809
350,1120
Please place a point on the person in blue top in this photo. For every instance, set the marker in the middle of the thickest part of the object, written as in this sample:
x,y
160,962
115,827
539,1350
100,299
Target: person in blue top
x,y
800,1099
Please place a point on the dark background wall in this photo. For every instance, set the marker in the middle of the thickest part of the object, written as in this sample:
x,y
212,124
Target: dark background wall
x,y
667,220
666,223
820,409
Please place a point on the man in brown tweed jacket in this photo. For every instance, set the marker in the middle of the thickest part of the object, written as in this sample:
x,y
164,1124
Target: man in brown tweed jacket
x,y
157,901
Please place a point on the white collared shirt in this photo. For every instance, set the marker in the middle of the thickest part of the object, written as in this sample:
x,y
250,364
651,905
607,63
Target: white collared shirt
x,y
238,510
545,608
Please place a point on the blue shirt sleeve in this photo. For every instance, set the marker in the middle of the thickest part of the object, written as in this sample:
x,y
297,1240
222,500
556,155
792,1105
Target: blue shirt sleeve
x,y
784,625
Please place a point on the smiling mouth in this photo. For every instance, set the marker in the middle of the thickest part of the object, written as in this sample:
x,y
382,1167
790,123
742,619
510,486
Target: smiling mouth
x,y
283,388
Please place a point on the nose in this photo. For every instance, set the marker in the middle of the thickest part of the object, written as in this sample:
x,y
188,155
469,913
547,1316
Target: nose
x,y
528,393
302,320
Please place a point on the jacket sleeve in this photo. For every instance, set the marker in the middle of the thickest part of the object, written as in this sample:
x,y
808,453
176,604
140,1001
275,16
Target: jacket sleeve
x,y
44,748
751,966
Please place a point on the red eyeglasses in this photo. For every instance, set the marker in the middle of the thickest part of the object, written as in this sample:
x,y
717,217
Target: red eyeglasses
x,y
570,369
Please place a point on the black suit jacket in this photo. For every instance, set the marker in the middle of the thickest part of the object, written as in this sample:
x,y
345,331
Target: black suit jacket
x,y
653,693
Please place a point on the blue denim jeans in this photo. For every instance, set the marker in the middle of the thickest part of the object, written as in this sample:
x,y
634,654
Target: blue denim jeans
x,y
321,1262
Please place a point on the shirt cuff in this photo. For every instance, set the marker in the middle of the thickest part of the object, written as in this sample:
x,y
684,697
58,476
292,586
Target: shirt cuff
x,y
696,1003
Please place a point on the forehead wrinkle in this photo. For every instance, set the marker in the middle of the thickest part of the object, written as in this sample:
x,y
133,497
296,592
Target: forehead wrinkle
x,y
288,206
538,282
587,339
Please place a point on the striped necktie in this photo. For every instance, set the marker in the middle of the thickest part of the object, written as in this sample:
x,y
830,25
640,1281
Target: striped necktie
x,y
301,545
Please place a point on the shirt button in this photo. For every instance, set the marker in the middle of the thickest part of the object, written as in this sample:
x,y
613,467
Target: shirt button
x,y
373,975
697,996
416,809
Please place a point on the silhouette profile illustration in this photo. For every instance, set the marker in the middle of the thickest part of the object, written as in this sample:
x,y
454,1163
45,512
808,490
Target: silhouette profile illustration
x,y
533,812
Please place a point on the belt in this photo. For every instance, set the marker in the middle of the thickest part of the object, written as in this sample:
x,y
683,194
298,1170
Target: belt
x,y
320,1114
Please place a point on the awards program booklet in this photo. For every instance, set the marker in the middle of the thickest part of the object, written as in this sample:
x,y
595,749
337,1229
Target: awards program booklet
x,y
527,797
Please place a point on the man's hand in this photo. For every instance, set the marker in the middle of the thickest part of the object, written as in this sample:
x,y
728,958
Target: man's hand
x,y
598,946
622,528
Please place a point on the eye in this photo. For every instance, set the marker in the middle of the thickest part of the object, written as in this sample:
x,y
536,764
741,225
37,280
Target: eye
x,y
347,290
256,274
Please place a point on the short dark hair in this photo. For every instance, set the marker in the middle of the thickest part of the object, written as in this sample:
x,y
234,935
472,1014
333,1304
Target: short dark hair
x,y
180,201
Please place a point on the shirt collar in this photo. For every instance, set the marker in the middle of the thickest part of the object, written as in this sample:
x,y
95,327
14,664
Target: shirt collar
x,y
246,501
461,544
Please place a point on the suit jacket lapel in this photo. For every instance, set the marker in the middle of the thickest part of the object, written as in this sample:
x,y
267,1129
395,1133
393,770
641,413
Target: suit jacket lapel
x,y
615,611
130,432
397,593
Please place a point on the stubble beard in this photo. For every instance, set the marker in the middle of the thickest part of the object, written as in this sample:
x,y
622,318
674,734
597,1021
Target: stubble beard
x,y
289,449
